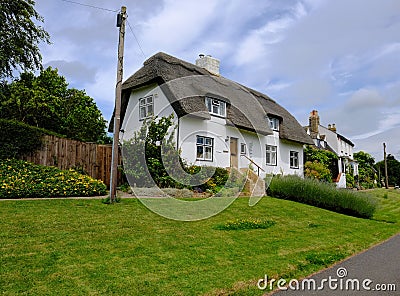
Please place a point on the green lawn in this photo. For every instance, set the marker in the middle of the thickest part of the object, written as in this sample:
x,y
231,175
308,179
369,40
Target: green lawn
x,y
84,247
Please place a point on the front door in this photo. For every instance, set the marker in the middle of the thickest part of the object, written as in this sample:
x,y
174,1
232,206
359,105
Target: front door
x,y
234,153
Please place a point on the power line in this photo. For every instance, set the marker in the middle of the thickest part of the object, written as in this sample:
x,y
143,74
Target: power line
x,y
137,41
106,9
91,6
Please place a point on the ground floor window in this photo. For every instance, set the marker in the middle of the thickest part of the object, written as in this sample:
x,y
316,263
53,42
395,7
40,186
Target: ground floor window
x,y
271,155
205,147
294,159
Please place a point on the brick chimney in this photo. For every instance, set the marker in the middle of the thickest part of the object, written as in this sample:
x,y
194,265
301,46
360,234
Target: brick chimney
x,y
209,63
332,127
314,121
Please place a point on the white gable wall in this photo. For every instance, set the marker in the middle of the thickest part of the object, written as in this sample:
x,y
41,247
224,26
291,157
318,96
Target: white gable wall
x,y
162,107
331,138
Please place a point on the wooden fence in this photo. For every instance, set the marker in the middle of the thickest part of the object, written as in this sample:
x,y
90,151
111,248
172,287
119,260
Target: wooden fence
x,y
93,158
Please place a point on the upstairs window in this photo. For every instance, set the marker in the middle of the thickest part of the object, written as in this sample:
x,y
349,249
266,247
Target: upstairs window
x,y
273,123
216,107
146,107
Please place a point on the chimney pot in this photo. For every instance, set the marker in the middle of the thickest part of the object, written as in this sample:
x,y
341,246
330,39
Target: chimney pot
x,y
209,63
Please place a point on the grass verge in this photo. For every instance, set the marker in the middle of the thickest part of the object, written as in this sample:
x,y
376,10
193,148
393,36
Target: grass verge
x,y
84,247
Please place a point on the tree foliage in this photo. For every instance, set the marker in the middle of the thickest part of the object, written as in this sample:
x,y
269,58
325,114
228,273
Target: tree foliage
x,y
46,101
143,159
316,170
20,36
393,168
366,170
320,164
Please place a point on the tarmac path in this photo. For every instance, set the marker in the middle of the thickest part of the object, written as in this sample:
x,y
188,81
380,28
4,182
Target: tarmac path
x,y
372,271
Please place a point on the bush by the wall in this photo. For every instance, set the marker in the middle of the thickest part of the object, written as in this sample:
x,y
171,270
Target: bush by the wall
x,y
210,178
317,171
21,179
19,139
322,195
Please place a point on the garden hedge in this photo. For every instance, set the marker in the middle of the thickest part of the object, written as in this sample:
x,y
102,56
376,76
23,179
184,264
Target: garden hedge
x,y
19,139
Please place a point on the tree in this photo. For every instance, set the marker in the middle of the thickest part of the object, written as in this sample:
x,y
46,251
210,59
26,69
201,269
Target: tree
x,y
317,171
145,164
20,37
320,164
393,166
366,170
46,101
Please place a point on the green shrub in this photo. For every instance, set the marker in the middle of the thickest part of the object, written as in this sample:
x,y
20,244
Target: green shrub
x,y
19,139
21,179
201,175
317,171
350,182
322,195
246,224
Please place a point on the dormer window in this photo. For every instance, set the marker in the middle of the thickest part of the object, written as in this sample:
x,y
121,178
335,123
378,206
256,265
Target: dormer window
x,y
216,107
273,123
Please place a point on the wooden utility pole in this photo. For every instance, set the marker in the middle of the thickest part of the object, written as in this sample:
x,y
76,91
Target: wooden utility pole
x,y
117,111
385,161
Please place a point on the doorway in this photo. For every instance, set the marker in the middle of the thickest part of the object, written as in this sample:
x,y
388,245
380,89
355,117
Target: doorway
x,y
234,152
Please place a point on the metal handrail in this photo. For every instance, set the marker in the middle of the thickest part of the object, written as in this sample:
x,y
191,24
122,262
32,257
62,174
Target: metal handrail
x,y
252,161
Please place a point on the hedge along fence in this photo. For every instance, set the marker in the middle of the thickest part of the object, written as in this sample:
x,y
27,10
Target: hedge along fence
x,y
43,147
19,139
322,195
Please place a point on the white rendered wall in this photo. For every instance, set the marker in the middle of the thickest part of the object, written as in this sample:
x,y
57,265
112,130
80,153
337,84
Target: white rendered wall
x,y
162,107
190,127
215,128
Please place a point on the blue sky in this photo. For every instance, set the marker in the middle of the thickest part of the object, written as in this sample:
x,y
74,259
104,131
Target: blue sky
x,y
341,58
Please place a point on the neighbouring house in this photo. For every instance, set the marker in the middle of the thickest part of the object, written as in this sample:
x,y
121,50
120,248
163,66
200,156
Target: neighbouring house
x,y
327,138
219,122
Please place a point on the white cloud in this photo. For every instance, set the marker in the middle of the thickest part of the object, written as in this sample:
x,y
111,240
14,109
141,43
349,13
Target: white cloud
x,y
76,72
178,25
340,57
365,99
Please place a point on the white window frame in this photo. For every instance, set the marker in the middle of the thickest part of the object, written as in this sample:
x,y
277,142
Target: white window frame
x,y
146,107
205,144
272,155
243,148
216,107
273,123
294,159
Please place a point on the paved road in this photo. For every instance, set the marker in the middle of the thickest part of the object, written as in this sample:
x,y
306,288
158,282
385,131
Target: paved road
x,y
380,265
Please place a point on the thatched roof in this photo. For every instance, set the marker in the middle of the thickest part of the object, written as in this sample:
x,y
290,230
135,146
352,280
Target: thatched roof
x,y
186,85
